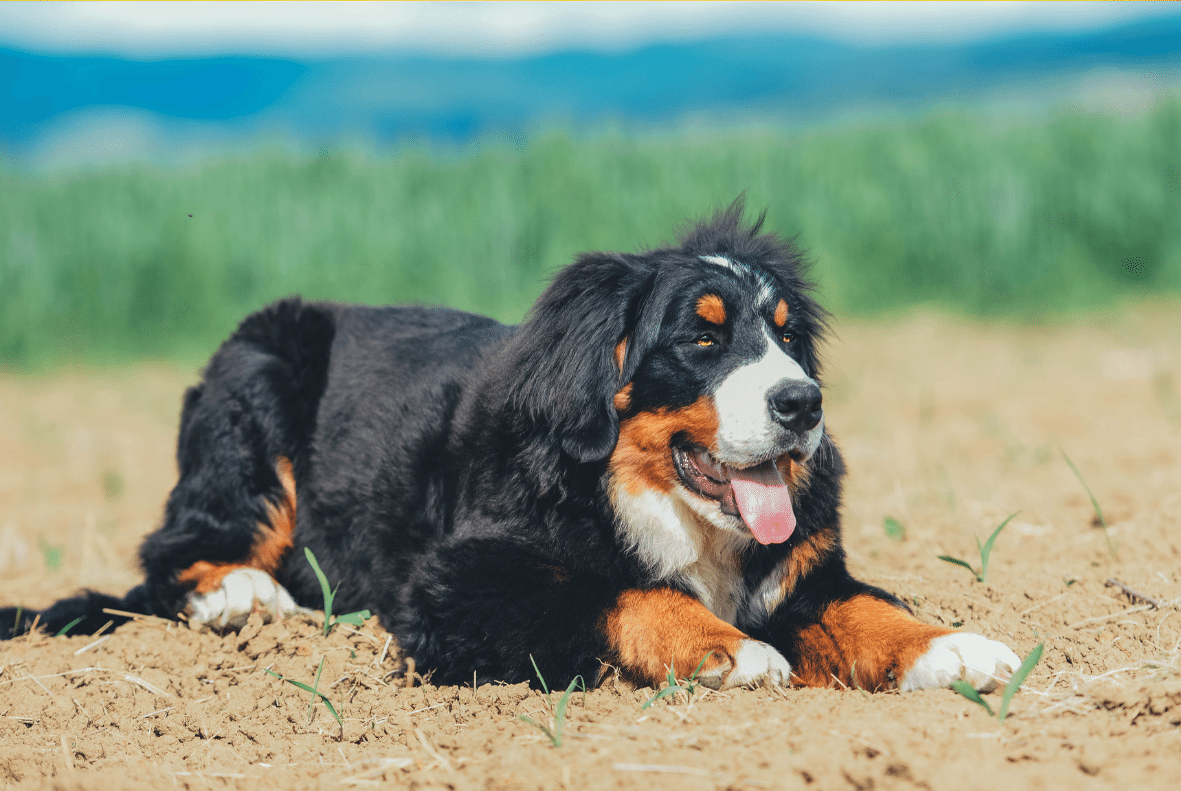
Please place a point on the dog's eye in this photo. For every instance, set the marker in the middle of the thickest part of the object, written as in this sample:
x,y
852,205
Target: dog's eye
x,y
705,340
787,337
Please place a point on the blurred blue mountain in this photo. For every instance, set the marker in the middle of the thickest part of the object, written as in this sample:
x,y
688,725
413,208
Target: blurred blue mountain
x,y
387,98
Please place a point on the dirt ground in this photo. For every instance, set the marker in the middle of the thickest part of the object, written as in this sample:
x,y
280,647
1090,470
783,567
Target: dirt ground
x,y
948,427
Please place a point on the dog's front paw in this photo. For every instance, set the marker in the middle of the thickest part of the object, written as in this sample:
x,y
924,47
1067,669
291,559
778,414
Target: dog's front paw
x,y
755,664
242,592
981,662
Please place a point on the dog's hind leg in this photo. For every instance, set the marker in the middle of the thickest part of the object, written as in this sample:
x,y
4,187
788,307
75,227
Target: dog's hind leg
x,y
229,523
230,520
223,594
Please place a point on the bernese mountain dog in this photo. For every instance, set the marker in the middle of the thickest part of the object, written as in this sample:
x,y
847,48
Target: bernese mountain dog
x,y
636,478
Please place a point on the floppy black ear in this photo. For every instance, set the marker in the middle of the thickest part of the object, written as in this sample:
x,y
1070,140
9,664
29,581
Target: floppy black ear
x,y
561,364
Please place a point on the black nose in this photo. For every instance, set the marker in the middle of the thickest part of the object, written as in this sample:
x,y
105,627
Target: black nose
x,y
795,405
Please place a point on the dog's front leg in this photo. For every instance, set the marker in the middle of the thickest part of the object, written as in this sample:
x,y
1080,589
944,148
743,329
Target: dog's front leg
x,y
652,632
508,611
868,640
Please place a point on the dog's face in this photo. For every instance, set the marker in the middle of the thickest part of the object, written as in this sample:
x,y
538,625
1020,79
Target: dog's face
x,y
691,371
723,410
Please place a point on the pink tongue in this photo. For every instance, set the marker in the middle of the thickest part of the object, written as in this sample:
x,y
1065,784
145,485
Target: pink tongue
x,y
764,503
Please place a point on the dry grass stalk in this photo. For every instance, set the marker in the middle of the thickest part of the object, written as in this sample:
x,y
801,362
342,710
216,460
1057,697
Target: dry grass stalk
x,y
1113,582
1099,618
384,648
663,768
433,753
94,644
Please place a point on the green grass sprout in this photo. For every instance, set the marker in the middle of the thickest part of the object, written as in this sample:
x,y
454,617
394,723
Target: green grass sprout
x,y
856,683
113,484
687,685
316,689
557,724
894,529
985,552
969,692
16,624
1094,503
52,554
316,693
540,678
68,626
1018,678
353,618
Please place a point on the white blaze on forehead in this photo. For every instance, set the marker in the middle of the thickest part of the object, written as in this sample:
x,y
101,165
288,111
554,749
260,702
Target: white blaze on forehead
x,y
721,260
766,288
746,431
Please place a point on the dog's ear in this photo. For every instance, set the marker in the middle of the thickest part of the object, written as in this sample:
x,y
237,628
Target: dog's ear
x,y
565,364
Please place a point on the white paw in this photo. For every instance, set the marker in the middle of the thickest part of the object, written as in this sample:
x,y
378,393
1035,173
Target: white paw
x,y
981,662
755,664
242,592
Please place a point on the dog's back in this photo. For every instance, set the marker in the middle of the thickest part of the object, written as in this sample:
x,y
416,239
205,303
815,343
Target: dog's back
x,y
377,461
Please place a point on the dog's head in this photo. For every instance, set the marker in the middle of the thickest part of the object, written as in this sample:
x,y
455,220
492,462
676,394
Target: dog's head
x,y
691,371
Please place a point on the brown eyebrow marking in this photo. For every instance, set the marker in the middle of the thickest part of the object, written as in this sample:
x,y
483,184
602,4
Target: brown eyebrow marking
x,y
781,313
711,308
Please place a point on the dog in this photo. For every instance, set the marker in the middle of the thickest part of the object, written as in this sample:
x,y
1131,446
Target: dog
x,y
637,478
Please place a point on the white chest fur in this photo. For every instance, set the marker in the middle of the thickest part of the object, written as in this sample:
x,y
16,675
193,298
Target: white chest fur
x,y
678,546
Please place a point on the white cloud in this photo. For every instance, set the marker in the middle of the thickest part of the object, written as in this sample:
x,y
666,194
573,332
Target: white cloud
x,y
509,29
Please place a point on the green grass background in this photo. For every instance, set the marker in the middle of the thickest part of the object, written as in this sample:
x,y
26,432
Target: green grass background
x,y
1012,219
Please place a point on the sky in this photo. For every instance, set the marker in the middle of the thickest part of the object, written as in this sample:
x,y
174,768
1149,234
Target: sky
x,y
96,81
506,30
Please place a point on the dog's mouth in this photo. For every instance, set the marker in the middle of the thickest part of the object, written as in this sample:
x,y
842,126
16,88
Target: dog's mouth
x,y
757,495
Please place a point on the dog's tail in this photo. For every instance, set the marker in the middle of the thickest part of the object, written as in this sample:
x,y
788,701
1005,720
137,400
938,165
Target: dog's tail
x,y
86,613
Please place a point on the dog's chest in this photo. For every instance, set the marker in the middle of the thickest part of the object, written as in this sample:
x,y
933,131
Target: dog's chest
x,y
717,582
678,548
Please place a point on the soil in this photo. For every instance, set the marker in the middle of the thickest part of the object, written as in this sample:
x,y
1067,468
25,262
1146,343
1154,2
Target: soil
x,y
948,428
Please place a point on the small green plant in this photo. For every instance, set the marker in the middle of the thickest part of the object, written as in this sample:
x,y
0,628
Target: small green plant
x,y
16,624
557,722
688,685
969,692
894,529
1094,503
853,678
112,484
68,626
316,693
1019,676
330,620
1027,666
52,554
985,551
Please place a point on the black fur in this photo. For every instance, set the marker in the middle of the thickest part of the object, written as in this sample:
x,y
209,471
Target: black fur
x,y
451,471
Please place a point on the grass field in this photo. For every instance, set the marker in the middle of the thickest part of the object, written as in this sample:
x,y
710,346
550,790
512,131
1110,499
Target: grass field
x,y
1031,218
